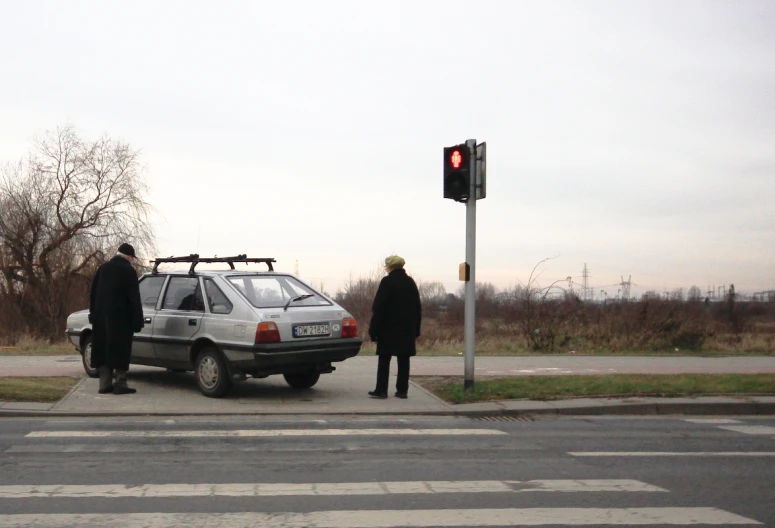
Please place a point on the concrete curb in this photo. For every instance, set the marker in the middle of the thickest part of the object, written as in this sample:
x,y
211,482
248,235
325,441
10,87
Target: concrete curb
x,y
754,406
70,393
620,408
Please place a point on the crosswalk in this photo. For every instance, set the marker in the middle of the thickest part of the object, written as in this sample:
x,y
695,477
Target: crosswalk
x,y
91,498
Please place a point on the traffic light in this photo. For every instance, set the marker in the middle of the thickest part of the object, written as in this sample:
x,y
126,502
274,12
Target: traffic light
x,y
457,172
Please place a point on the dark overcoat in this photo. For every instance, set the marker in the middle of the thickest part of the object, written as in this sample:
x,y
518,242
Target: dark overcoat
x,y
116,313
396,315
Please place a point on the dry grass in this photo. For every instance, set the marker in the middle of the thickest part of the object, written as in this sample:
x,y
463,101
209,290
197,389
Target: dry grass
x,y
28,346
38,389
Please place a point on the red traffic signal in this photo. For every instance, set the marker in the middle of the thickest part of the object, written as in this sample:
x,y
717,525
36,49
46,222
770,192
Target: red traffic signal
x,y
456,159
457,169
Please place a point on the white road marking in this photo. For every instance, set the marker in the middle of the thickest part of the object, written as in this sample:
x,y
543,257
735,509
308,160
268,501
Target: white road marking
x,y
98,421
750,429
713,421
246,433
673,454
389,518
178,448
590,485
114,491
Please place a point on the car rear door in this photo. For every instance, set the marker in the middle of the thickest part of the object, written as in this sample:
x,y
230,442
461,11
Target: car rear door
x,y
178,320
150,292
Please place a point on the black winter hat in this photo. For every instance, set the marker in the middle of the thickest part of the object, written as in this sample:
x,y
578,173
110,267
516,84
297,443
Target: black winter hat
x,y
127,250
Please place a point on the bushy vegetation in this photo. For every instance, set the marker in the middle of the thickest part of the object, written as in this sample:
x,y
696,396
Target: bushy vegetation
x,y
527,320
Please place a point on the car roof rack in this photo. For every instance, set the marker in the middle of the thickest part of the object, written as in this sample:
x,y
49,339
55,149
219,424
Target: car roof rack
x,y
195,259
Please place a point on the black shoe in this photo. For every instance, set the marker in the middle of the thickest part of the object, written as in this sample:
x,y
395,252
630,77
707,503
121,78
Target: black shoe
x,y
120,386
401,395
380,395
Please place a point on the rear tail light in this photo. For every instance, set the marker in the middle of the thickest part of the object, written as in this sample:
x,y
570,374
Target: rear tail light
x,y
267,333
349,327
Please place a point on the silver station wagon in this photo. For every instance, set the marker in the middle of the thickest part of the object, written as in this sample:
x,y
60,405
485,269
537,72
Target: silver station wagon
x,y
228,325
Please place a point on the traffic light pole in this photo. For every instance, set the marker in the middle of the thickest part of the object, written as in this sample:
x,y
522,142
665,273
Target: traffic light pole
x,y
470,306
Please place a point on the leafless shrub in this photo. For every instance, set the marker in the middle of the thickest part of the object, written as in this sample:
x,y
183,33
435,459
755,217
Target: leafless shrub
x,y
357,295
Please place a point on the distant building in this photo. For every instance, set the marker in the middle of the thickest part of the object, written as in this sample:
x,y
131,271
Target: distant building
x,y
764,296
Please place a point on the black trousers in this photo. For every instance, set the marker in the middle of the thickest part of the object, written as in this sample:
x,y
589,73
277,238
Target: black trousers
x,y
111,344
383,372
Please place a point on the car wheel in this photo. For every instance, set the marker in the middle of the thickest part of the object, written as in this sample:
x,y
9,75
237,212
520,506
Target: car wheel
x,y
212,376
302,380
86,358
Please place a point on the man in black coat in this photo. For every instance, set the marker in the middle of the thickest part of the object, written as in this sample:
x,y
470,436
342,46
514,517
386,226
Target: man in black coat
x,y
395,325
116,313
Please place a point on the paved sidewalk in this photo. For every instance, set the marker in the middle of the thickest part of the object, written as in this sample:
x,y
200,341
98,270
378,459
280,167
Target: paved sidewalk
x,y
41,366
344,392
485,365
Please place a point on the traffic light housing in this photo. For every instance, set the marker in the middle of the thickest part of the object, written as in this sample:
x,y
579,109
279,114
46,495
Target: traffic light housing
x,y
457,173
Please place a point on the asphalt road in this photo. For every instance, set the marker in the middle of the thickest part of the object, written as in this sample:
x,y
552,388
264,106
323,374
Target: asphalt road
x,y
386,471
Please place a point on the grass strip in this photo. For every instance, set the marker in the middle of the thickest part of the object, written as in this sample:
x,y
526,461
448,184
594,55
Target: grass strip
x,y
38,389
621,385
39,348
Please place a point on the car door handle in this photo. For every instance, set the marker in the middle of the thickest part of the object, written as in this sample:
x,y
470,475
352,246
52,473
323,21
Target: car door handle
x,y
147,319
192,322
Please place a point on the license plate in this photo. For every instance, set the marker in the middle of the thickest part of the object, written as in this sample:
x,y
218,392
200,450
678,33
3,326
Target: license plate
x,y
311,330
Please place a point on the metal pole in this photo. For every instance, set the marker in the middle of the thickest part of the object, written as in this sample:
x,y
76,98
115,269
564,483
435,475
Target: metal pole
x,y
470,306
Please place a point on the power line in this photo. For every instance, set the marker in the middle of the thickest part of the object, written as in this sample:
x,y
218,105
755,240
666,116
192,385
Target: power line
x,y
585,283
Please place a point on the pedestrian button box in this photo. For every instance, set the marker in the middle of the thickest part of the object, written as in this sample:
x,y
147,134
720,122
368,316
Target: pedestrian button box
x,y
464,271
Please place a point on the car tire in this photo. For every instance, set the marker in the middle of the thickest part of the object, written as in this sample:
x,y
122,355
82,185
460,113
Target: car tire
x,y
302,380
212,375
86,358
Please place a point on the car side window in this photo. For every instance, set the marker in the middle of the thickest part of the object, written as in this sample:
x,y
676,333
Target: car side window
x,y
219,303
150,289
184,293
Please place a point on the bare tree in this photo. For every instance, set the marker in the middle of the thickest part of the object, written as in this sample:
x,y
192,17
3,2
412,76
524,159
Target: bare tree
x,y
484,291
432,293
695,294
62,212
651,295
357,295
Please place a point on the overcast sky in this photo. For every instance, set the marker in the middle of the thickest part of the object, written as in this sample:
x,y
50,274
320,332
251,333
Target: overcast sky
x,y
635,137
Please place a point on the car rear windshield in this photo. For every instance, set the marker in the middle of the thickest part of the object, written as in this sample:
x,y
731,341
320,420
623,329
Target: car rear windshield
x,y
274,291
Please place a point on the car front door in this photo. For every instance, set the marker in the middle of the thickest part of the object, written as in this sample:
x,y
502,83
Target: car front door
x,y
178,320
150,291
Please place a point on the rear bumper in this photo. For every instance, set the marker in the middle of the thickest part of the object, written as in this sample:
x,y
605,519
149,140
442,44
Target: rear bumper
x,y
275,358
